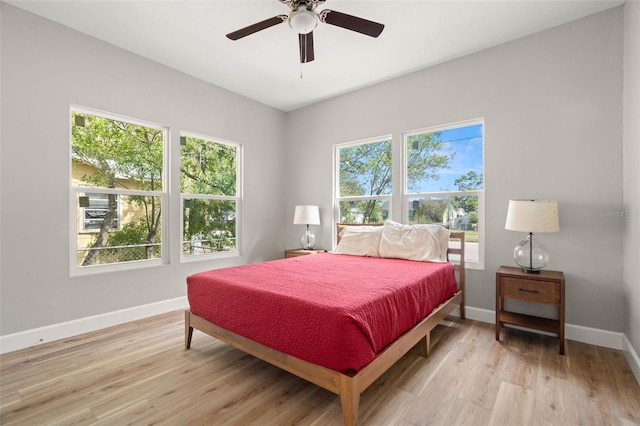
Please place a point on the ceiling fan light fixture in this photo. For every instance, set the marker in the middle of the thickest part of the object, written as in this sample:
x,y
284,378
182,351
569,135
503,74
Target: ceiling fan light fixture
x,y
303,21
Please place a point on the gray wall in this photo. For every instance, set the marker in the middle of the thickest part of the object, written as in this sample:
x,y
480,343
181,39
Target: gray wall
x,y
631,168
552,104
45,68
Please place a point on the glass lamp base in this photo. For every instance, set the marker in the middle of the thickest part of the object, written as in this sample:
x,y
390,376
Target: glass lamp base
x,y
308,240
530,255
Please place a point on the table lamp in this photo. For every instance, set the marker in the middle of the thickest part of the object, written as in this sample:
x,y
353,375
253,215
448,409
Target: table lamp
x,y
307,215
532,216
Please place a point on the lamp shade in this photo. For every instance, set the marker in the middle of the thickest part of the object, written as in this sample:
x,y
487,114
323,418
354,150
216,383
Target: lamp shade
x,y
306,215
533,216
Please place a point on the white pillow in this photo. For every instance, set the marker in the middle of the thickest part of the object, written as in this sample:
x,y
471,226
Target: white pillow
x,y
442,234
360,241
418,242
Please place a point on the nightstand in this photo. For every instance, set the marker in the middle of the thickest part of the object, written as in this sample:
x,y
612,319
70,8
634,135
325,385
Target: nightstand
x,y
301,252
546,287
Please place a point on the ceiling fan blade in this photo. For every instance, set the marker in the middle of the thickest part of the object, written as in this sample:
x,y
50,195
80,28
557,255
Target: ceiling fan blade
x,y
306,47
350,22
258,26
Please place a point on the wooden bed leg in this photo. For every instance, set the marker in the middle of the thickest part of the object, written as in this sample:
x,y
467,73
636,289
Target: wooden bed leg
x,y
349,400
188,330
425,347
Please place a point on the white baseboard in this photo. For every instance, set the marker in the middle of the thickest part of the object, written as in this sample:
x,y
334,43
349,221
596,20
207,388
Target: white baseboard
x,y
593,336
482,315
632,357
37,336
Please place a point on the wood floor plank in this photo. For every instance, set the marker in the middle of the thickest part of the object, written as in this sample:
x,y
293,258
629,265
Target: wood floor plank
x,y
483,383
514,405
556,399
439,392
77,418
464,413
388,407
140,373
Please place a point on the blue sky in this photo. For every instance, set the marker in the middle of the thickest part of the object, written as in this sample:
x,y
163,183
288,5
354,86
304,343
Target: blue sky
x,y
467,143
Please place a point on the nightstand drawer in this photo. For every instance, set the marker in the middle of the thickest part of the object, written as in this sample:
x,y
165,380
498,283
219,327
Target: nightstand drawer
x,y
530,290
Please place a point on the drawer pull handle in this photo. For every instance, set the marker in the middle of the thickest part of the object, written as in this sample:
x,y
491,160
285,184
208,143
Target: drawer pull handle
x,y
528,291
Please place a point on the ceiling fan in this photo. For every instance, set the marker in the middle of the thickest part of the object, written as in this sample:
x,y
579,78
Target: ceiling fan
x,y
303,18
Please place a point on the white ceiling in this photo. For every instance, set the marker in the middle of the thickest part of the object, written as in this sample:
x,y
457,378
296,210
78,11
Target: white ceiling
x,y
190,36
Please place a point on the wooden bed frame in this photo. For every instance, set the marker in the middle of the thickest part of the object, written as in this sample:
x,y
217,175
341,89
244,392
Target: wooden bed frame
x,y
347,386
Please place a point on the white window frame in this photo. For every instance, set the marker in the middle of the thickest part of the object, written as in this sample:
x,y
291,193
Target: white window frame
x,y
237,198
76,190
406,196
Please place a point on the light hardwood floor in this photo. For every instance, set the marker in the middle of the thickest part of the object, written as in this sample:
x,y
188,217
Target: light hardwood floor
x,y
139,373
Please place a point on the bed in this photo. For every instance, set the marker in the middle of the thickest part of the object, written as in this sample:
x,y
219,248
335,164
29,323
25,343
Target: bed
x,y
344,362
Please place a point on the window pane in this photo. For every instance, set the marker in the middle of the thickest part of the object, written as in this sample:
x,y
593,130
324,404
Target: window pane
x,y
365,169
447,160
458,213
209,226
96,208
138,238
207,167
109,153
364,211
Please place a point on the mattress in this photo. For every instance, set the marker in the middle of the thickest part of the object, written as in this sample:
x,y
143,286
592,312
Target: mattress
x,y
333,310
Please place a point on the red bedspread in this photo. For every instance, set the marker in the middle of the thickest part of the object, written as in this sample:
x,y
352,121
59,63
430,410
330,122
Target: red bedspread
x,y
333,310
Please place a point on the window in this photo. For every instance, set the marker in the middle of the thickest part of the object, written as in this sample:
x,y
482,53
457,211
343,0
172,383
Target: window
x,y
210,187
117,186
364,181
444,180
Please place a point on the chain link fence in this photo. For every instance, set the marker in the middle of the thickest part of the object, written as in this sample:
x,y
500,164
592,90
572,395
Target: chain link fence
x,y
118,254
129,253
214,245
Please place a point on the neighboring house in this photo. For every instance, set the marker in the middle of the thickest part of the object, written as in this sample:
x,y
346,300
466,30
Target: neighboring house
x,y
93,207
